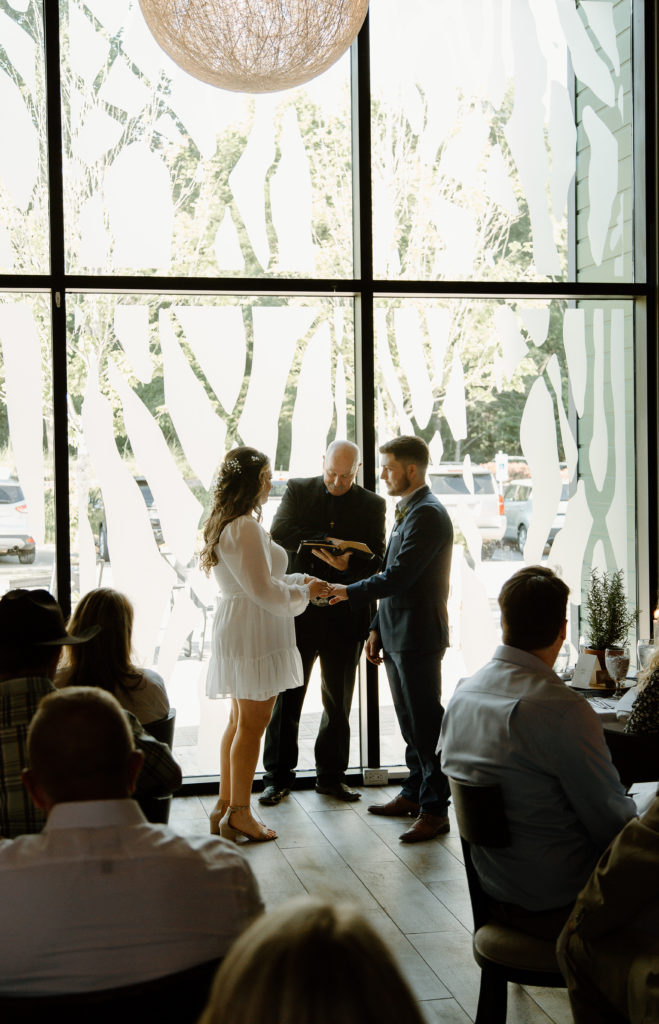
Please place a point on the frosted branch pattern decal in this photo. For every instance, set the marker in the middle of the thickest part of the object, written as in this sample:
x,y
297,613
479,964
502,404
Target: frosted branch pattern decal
x,y
159,391
550,386
475,137
23,391
487,130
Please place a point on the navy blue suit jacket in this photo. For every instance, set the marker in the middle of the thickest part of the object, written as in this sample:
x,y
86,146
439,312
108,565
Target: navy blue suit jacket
x,y
413,587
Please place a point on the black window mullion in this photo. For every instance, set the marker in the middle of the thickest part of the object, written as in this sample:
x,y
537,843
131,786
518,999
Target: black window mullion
x,y
362,286
364,347
646,188
58,305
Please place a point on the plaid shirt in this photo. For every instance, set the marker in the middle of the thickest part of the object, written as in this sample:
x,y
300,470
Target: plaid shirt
x,y
19,699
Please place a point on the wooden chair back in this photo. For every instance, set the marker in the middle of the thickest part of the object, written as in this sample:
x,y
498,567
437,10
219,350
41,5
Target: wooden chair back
x,y
156,808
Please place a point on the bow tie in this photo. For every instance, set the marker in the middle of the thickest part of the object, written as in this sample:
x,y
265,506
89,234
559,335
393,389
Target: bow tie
x,y
400,513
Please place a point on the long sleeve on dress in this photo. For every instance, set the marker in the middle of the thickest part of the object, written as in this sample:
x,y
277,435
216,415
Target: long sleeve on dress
x,y
244,547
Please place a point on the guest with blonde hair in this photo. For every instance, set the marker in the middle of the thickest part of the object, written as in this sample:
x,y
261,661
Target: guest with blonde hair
x,y
644,717
106,660
253,652
310,961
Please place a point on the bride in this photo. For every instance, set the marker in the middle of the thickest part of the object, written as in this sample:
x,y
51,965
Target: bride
x,y
253,652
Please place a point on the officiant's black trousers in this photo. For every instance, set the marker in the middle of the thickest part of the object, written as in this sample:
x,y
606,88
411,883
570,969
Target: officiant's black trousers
x,y
319,633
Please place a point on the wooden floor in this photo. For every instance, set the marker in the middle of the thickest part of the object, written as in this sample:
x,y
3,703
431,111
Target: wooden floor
x,y
416,895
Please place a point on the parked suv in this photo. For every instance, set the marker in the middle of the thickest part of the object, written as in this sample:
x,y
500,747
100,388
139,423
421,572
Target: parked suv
x,y
484,504
518,506
15,536
97,517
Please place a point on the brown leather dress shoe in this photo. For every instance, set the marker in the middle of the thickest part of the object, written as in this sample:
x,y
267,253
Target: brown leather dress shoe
x,y
399,807
426,826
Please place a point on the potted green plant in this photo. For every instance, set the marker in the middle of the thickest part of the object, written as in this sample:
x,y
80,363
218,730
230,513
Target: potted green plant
x,y
608,617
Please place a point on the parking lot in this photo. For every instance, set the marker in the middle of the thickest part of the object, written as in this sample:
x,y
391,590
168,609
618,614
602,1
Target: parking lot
x,y
39,574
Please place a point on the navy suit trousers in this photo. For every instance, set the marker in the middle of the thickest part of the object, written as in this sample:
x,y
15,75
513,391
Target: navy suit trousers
x,y
415,680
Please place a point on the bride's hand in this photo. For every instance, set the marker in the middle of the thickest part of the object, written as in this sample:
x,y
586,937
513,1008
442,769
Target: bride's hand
x,y
317,588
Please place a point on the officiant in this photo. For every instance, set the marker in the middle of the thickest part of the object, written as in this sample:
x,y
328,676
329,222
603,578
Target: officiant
x,y
331,507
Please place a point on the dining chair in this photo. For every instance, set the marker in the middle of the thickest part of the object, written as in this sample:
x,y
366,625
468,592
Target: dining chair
x,y
502,952
635,755
163,728
156,808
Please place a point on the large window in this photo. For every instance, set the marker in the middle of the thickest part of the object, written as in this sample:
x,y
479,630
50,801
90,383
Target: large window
x,y
184,269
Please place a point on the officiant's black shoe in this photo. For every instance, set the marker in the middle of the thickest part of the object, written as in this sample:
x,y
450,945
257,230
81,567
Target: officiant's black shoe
x,y
339,790
271,795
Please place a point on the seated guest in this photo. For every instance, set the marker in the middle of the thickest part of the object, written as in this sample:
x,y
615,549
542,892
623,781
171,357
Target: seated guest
x,y
102,899
609,949
310,961
644,715
515,724
106,659
32,634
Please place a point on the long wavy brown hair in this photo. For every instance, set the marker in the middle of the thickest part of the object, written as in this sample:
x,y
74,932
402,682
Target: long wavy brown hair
x,y
105,660
239,484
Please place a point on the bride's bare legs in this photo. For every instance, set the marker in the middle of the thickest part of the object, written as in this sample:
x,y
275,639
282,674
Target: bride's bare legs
x,y
224,799
225,754
253,717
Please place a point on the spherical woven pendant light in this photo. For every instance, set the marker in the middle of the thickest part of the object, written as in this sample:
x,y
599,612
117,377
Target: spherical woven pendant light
x,y
254,45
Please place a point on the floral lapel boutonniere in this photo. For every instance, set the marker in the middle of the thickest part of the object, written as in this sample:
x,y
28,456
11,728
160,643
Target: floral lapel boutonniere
x,y
400,513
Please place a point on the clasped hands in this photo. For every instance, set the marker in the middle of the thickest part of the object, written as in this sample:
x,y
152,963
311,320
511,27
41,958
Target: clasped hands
x,y
320,588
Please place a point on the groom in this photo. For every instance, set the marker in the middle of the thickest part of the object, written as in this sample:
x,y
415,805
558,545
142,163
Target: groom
x,y
411,630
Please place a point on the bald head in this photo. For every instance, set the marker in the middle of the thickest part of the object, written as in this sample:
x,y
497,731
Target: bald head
x,y
80,747
340,467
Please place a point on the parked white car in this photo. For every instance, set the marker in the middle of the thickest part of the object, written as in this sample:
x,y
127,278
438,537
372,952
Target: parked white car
x,y
473,495
518,506
15,536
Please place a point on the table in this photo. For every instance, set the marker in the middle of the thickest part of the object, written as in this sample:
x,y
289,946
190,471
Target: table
x,y
610,712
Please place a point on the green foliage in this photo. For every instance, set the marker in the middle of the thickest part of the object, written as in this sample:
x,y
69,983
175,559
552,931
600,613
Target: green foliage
x,y
608,616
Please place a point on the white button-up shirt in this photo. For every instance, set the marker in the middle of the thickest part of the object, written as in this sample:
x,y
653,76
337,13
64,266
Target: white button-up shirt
x,y
101,898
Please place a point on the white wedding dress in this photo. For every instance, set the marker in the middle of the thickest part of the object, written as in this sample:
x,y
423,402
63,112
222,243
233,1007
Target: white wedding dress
x,y
253,652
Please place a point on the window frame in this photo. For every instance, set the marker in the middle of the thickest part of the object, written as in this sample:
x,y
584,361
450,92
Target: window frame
x,y
365,290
